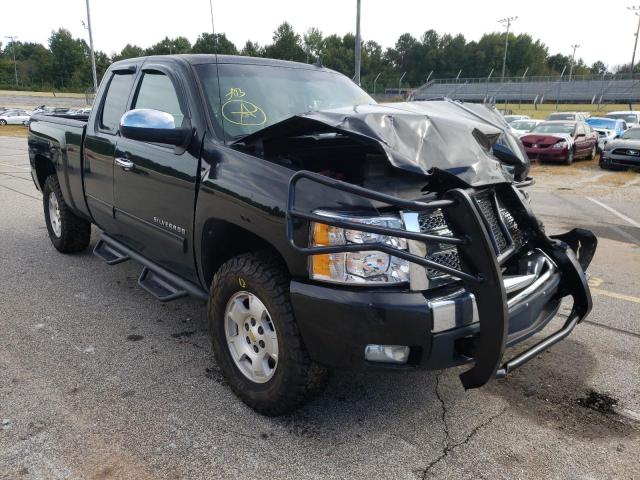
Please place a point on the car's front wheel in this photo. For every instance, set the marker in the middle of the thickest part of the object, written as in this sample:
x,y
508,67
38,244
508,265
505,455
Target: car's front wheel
x,y
593,152
3,121
255,337
569,159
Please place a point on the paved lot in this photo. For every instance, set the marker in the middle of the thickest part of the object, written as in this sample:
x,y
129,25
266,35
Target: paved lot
x,y
97,380
30,100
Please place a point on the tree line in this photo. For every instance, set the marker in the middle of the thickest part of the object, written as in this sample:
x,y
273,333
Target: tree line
x,y
65,64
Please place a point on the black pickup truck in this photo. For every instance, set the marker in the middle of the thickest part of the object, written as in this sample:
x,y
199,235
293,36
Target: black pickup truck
x,y
323,229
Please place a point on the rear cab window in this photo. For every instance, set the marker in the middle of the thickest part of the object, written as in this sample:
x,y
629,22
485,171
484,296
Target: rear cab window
x,y
115,101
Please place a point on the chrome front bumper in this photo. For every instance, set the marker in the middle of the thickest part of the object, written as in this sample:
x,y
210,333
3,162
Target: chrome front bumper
x,y
459,309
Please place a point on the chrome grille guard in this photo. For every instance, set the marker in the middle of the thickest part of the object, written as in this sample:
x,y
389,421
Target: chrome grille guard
x,y
480,269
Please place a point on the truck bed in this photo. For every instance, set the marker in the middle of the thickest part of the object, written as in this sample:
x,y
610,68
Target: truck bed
x,y
59,139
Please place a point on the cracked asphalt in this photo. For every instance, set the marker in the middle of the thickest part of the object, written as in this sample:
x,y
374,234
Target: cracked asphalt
x,y
98,380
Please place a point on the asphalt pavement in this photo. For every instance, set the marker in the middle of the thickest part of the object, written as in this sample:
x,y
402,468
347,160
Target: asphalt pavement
x,y
98,380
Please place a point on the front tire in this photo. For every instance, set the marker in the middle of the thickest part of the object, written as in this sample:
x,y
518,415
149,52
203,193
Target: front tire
x,y
255,337
569,159
3,122
593,152
68,232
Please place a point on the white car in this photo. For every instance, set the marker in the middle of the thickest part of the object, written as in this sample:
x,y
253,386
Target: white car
x,y
513,118
14,117
520,127
632,117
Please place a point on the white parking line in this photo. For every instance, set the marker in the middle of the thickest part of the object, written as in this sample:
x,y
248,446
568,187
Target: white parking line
x,y
14,166
593,178
631,221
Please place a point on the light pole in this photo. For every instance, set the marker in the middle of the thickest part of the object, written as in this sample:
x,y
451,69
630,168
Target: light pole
x,y
13,49
358,45
507,21
93,57
573,59
375,80
636,11
400,83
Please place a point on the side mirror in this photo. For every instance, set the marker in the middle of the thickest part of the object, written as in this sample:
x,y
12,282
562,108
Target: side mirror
x,y
153,126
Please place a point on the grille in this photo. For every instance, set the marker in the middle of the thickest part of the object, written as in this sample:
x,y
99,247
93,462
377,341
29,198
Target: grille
x,y
627,151
444,254
488,210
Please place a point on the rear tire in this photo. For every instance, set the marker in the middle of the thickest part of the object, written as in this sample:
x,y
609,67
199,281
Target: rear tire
x,y
238,330
3,122
68,232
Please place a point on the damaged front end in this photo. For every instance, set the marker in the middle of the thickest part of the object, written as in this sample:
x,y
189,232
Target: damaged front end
x,y
459,220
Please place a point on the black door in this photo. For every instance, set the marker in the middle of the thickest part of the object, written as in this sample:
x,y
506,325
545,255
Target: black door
x,y
100,145
155,184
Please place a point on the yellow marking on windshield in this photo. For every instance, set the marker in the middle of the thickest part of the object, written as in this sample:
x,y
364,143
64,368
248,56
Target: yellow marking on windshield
x,y
242,112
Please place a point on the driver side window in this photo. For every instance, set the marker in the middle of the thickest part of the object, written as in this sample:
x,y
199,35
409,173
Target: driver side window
x,y
157,92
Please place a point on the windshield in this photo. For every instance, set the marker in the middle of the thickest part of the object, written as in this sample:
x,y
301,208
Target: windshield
x,y
523,125
554,128
627,117
252,97
632,134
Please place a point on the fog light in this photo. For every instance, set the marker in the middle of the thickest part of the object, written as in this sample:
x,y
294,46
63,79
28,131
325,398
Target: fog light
x,y
387,353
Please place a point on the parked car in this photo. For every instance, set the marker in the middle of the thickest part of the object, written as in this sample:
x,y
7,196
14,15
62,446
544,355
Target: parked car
x,y
561,141
631,117
271,190
14,117
521,127
608,129
623,152
513,118
572,116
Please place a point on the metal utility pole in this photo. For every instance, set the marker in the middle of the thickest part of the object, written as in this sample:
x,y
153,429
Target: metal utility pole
x,y
375,80
573,59
358,45
400,83
636,11
93,57
507,21
213,29
559,84
13,48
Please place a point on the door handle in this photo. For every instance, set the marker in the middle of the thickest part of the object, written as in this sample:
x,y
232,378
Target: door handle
x,y
125,164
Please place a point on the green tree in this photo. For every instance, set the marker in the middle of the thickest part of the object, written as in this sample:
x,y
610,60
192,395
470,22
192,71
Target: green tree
x,y
68,55
218,43
170,46
287,45
598,68
129,51
313,43
252,49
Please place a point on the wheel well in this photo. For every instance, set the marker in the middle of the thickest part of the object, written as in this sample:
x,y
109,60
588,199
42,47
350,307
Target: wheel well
x,y
222,241
44,168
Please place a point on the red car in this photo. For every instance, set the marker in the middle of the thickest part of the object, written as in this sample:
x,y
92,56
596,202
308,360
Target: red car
x,y
561,141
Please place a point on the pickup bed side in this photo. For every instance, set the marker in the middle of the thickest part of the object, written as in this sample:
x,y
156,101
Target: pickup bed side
x,y
55,146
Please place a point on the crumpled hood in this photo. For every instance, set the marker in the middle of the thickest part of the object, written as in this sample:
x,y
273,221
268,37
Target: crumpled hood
x,y
417,136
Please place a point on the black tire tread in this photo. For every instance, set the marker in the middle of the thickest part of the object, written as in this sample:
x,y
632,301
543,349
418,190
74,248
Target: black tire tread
x,y
305,378
76,231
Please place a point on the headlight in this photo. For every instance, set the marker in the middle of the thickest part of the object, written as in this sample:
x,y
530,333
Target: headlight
x,y
562,144
367,266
